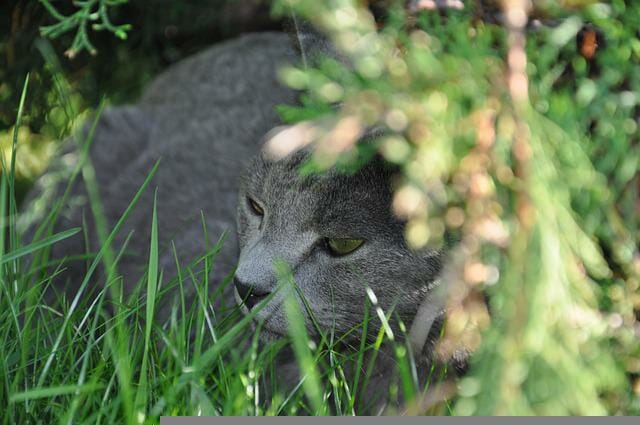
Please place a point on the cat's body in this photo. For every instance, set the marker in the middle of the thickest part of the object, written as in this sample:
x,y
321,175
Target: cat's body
x,y
205,119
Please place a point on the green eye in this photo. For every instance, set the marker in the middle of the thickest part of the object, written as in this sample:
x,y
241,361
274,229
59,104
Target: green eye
x,y
343,246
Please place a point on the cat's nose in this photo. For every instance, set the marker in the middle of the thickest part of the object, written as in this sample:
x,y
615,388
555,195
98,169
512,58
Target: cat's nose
x,y
249,294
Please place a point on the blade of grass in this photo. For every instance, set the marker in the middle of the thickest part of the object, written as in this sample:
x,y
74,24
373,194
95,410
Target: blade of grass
x,y
53,392
301,342
36,246
3,215
13,207
183,310
152,283
360,359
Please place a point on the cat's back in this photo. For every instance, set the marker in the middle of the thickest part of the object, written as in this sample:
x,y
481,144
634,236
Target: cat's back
x,y
242,69
203,119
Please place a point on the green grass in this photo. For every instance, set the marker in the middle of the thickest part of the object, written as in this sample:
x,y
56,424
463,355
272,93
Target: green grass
x,y
102,357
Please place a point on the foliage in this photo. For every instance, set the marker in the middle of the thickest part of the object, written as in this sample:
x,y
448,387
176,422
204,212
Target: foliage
x,y
95,11
508,144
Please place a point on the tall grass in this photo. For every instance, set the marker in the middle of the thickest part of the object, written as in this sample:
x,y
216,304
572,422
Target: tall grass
x,y
98,356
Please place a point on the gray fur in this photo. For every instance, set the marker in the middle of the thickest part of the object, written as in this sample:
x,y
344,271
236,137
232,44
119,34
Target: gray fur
x,y
299,213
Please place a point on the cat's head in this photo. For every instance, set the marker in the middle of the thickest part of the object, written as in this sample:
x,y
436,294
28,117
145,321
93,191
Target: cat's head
x,y
338,235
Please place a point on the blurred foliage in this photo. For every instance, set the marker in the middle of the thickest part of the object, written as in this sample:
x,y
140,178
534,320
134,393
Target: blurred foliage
x,y
518,129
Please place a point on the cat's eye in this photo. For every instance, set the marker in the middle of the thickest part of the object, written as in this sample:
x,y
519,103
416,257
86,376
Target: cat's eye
x,y
339,247
255,207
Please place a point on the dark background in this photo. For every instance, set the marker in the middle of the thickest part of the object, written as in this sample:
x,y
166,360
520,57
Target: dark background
x,y
162,33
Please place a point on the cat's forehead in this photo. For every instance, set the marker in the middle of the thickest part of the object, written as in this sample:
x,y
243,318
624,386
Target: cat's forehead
x,y
332,201
287,175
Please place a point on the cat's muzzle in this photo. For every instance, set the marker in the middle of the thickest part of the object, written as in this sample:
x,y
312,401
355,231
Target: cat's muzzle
x,y
249,295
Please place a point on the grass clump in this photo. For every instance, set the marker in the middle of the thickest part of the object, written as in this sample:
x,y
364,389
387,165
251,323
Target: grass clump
x,y
98,356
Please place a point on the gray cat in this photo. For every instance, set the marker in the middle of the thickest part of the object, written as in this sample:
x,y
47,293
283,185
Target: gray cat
x,y
206,118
